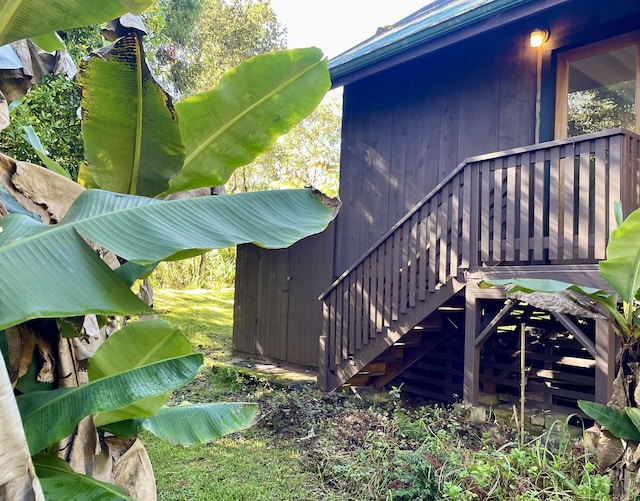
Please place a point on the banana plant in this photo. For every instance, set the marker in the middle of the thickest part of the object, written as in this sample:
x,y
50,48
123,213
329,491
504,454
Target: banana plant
x,y
39,260
141,146
199,141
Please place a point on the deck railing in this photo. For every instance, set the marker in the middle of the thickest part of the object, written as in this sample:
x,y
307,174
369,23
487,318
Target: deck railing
x,y
550,203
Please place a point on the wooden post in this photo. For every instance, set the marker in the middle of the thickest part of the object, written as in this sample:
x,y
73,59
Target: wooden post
x,y
605,360
523,378
471,387
323,362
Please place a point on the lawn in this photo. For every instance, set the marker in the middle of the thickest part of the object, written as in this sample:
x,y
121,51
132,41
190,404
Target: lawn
x,y
311,445
239,467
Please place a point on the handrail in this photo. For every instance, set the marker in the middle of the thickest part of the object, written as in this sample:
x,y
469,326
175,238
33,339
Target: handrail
x,y
457,171
549,203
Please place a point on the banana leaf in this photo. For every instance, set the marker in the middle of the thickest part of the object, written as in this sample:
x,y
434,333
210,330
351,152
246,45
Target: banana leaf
x,y
28,18
254,104
59,481
41,260
49,416
621,269
618,423
192,424
30,136
138,344
123,105
634,415
49,42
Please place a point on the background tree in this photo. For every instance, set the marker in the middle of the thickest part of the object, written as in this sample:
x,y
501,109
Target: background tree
x,y
51,109
308,155
196,41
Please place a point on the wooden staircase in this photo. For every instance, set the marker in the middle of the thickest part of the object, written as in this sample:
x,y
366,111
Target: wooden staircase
x,y
545,204
427,361
417,343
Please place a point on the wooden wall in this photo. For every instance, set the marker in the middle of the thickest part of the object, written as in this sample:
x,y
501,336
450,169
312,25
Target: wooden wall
x,y
277,314
404,130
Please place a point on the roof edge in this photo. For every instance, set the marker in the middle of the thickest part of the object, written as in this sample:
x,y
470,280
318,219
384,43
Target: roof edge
x,y
343,68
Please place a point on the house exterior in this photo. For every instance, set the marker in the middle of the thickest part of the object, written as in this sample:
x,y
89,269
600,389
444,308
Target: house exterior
x,y
467,154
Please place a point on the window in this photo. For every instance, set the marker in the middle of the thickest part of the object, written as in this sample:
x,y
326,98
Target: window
x,y
597,87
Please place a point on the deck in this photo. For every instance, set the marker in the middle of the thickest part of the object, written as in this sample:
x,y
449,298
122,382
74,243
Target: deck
x,y
545,209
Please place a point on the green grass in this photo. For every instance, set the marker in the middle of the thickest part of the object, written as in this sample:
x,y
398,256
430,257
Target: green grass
x,y
204,316
242,466
232,468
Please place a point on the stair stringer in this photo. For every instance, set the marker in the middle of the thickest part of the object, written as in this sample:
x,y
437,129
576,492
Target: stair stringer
x,y
392,333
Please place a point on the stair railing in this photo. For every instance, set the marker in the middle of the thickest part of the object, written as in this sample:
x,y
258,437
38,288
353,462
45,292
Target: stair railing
x,y
550,203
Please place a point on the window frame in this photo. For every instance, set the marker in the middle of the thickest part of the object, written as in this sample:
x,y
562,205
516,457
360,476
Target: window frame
x,y
592,49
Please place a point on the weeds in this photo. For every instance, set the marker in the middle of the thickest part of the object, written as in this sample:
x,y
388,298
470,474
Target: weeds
x,y
311,445
435,453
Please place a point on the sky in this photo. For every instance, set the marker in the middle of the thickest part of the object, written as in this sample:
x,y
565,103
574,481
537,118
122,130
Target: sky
x,y
337,25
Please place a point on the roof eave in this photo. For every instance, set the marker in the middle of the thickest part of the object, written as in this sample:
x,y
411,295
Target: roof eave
x,y
432,38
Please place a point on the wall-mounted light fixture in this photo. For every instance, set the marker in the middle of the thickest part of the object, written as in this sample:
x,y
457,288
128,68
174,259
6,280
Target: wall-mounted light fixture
x,y
538,37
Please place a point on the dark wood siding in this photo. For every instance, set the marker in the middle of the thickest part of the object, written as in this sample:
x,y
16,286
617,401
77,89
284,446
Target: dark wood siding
x,y
277,314
245,300
407,128
310,265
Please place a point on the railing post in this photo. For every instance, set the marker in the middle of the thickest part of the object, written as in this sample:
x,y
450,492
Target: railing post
x,y
470,221
471,380
323,363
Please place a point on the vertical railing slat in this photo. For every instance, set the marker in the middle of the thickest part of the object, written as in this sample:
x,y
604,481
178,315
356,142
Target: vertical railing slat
x,y
485,201
413,253
524,207
339,325
615,178
474,216
568,170
331,323
497,211
404,276
443,229
388,277
351,316
372,296
510,226
424,253
554,207
396,275
584,200
432,228
537,208
467,216
358,311
454,219
600,209
380,296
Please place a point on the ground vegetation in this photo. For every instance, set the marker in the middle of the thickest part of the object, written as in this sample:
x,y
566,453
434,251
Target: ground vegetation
x,y
353,445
